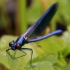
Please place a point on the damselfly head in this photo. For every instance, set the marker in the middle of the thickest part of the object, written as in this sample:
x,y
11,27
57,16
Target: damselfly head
x,y
14,45
11,43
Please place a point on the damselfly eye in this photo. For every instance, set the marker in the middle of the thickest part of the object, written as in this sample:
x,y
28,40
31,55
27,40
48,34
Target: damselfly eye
x,y
10,44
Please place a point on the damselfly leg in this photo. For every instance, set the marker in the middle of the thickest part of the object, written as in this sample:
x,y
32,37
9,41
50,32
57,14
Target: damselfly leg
x,y
22,50
29,49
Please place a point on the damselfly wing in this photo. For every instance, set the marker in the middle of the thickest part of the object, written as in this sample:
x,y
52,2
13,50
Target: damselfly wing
x,y
42,23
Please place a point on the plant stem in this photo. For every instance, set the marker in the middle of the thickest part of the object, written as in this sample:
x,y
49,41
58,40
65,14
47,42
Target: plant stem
x,y
22,15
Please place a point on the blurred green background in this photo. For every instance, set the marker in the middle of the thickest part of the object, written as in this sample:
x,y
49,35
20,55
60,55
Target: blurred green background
x,y
49,54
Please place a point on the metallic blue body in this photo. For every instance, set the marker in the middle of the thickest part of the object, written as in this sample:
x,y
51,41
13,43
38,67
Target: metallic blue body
x,y
46,36
21,40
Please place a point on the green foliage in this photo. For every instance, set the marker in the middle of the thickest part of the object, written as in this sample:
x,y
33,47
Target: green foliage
x,y
64,11
66,39
22,15
2,2
48,54
47,60
34,12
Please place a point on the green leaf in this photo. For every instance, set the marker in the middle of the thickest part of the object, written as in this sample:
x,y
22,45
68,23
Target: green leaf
x,y
44,65
4,41
34,12
56,68
52,58
3,60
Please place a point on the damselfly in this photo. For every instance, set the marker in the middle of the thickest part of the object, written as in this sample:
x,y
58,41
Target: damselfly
x,y
33,31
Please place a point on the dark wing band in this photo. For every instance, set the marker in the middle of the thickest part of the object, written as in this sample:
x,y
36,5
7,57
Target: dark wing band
x,y
42,23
